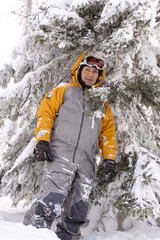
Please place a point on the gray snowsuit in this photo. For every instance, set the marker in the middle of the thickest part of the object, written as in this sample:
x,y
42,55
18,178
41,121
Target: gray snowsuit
x,y
74,141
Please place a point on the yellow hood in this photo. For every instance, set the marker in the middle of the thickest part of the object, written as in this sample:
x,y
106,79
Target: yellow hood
x,y
76,68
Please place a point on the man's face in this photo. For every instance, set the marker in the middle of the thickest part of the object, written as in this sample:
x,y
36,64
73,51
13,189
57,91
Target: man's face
x,y
89,75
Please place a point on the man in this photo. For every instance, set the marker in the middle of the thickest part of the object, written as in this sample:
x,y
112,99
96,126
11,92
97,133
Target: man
x,y
67,142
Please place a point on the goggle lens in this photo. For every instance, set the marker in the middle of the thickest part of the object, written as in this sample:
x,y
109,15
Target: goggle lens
x,y
95,61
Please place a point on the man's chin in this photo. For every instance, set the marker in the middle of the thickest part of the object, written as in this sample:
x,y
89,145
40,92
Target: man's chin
x,y
89,83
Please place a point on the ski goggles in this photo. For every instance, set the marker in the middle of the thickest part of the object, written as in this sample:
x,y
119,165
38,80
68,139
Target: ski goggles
x,y
93,61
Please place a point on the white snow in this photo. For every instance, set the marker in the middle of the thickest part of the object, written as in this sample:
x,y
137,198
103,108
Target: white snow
x,y
79,3
59,3
97,114
12,228
25,153
42,133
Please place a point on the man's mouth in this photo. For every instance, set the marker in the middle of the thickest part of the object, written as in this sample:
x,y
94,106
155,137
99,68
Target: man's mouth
x,y
88,79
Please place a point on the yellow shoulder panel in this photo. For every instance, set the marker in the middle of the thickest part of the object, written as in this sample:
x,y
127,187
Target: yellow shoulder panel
x,y
48,110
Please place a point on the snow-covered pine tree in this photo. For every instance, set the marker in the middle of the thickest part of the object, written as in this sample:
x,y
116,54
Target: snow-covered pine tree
x,y
127,34
132,47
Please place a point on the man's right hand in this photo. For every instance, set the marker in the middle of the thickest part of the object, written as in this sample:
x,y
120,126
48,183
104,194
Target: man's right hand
x,y
42,151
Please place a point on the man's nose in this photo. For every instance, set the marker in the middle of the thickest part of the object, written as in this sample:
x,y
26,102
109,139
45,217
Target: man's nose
x,y
90,73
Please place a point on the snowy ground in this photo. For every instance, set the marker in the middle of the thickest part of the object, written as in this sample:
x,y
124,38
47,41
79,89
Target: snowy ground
x,y
11,228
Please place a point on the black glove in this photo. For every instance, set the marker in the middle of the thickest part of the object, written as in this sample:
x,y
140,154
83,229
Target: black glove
x,y
106,171
42,151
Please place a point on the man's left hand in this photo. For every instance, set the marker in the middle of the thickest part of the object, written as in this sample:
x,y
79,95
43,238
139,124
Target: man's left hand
x,y
106,171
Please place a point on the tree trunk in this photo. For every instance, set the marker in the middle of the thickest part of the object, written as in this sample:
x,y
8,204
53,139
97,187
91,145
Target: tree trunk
x,y
27,13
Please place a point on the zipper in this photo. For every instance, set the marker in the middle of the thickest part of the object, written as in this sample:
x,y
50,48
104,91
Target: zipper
x,y
80,129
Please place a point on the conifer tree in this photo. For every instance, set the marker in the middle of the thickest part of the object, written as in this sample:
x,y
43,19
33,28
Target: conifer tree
x,y
127,34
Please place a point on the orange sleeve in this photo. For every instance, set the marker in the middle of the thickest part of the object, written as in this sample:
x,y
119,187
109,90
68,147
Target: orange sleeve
x,y
47,112
107,140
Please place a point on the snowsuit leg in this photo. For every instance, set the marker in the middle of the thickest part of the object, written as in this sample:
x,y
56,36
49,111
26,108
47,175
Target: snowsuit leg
x,y
56,185
65,184
75,207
